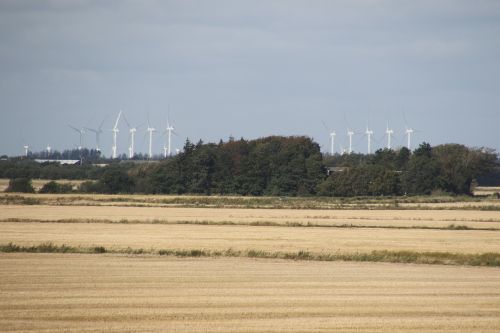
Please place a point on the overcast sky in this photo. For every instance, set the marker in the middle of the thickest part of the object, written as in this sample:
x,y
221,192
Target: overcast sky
x,y
249,69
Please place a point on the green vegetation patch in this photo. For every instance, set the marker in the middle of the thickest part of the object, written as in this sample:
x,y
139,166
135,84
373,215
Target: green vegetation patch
x,y
489,259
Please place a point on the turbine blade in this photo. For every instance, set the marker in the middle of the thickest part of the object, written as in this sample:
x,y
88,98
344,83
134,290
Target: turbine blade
x,y
76,129
117,119
126,121
102,123
91,129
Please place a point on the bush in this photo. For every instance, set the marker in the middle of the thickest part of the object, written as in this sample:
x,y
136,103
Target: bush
x,y
54,187
20,185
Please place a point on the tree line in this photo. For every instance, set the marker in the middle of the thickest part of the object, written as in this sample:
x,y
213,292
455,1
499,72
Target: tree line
x,y
281,166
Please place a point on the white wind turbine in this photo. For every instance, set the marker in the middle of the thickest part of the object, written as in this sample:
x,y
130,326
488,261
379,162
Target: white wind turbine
x,y
332,138
332,142
26,149
132,131
98,133
409,132
49,149
389,133
169,130
369,134
150,130
350,133
115,131
80,131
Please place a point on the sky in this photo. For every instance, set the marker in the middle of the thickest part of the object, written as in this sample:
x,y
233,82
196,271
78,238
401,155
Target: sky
x,y
249,69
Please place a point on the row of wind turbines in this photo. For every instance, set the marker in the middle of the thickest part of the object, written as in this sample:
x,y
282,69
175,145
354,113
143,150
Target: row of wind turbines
x,y
389,133
167,148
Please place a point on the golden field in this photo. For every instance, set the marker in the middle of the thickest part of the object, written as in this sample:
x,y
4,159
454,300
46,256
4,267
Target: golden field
x,y
111,292
114,293
214,237
327,217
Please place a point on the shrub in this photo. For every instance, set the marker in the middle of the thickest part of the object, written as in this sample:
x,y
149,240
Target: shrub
x,y
54,187
20,185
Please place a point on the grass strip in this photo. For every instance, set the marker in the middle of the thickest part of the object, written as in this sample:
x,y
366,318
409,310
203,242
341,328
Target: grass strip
x,y
489,259
252,223
374,203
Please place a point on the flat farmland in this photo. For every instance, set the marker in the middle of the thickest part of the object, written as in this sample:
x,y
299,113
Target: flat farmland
x,y
172,291
272,239
327,217
114,293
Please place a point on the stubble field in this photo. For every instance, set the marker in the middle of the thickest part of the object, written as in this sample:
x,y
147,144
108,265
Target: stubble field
x,y
148,292
85,293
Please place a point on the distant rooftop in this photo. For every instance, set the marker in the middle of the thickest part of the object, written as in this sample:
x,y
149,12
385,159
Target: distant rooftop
x,y
58,161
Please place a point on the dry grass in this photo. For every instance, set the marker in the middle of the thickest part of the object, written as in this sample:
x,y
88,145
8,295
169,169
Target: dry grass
x,y
365,218
486,190
77,293
271,239
419,202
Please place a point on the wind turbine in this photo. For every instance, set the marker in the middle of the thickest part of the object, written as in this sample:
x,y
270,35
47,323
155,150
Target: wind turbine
x,y
332,138
48,150
132,131
115,131
98,133
409,132
389,132
369,134
350,133
26,148
169,129
150,130
82,134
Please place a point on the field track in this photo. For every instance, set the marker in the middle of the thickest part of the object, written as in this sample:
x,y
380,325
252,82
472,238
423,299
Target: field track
x,y
113,293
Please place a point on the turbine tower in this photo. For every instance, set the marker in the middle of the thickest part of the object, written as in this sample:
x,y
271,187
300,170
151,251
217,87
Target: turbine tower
x,y
350,133
369,134
115,131
131,148
26,148
409,132
389,132
150,130
332,142
82,134
132,131
48,150
169,129
332,138
98,133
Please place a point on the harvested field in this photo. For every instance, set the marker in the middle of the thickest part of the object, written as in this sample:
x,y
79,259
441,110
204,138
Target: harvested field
x,y
112,293
387,218
178,236
227,289
367,218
